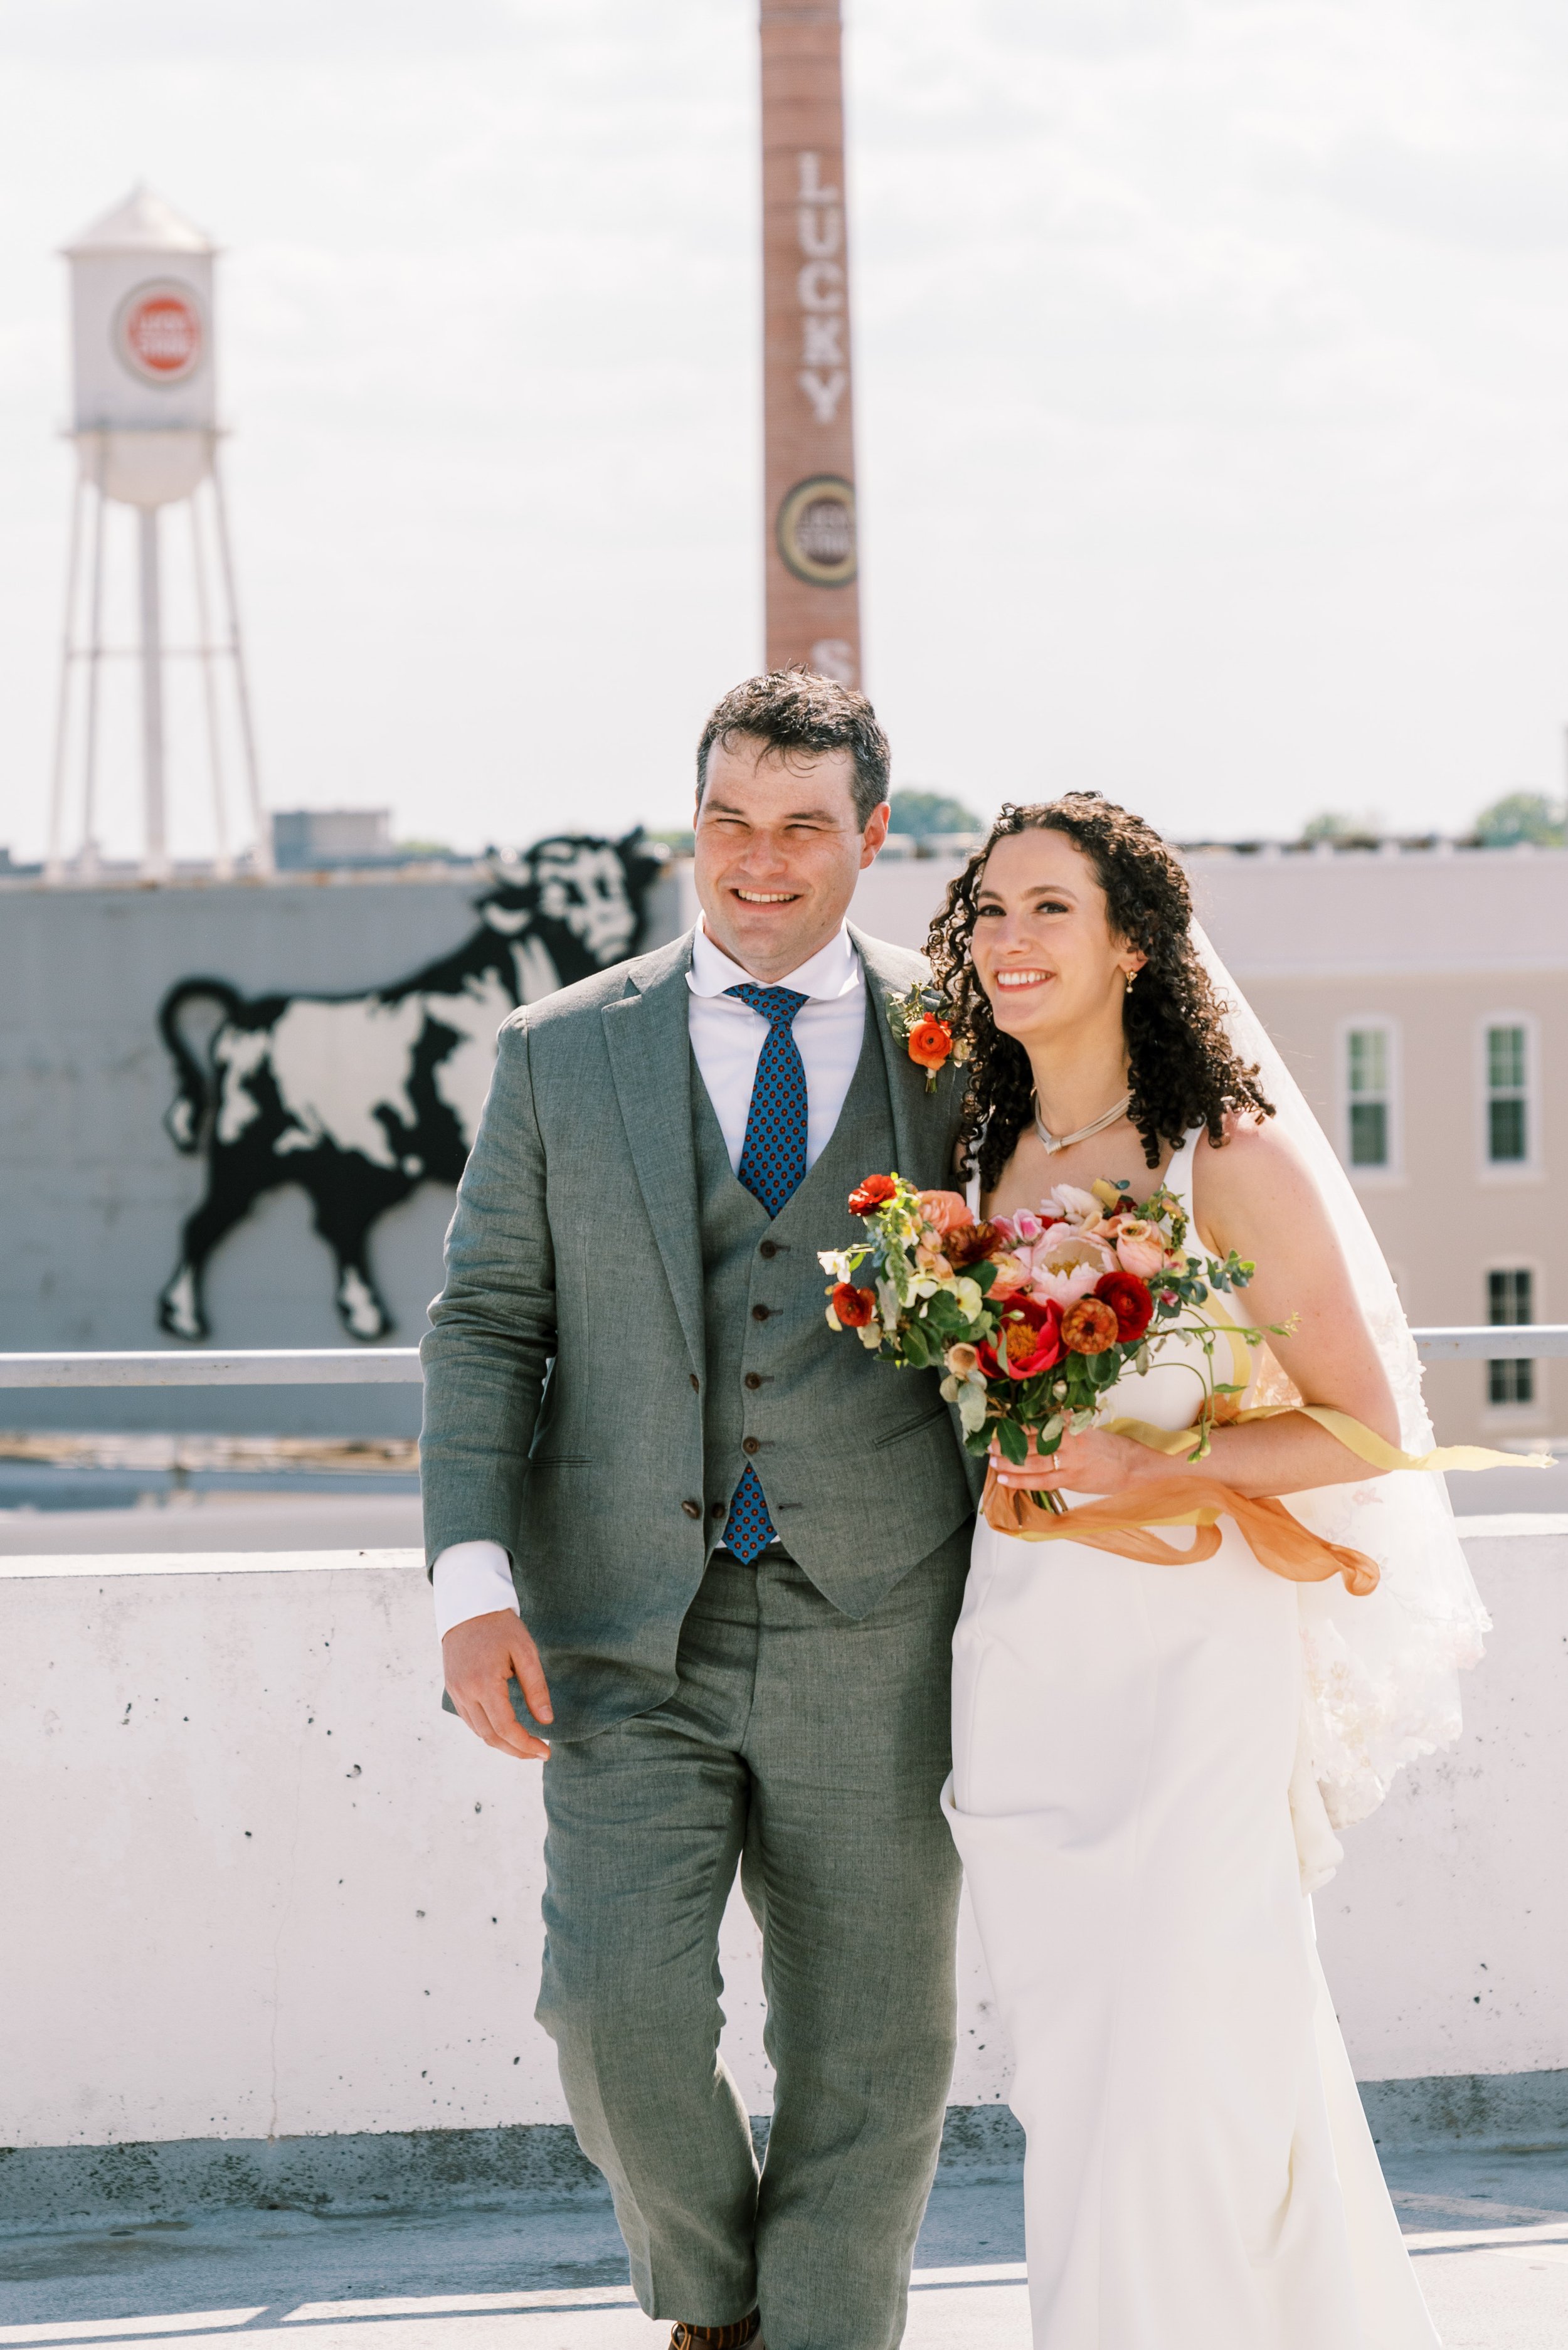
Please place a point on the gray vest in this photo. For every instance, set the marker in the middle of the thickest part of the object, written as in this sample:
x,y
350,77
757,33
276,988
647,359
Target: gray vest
x,y
808,1407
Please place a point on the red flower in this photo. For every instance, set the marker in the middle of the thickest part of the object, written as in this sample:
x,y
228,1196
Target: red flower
x,y
971,1244
854,1307
1028,1339
1130,1300
1089,1326
872,1193
930,1041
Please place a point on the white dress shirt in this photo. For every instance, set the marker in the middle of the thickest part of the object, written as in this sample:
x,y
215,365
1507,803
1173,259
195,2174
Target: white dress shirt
x,y
474,1578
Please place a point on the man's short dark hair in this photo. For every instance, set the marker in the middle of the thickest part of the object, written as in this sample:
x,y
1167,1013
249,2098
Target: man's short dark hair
x,y
794,710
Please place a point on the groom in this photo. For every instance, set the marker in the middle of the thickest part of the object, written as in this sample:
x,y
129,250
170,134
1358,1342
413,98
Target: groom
x,y
737,1542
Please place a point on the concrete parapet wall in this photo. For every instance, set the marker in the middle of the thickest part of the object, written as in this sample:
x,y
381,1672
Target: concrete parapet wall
x,y
264,1889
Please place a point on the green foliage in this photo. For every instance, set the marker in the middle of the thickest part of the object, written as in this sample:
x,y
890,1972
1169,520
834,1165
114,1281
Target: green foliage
x,y
920,814
1337,824
1522,815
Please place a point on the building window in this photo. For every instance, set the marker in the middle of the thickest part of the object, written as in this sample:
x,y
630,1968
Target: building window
x,y
1511,1299
1368,1087
1507,1096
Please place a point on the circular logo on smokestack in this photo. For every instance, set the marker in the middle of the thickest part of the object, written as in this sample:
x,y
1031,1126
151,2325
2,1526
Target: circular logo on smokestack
x,y
159,334
816,531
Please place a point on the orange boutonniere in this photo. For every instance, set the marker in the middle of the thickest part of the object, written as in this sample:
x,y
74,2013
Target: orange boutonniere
x,y
925,1036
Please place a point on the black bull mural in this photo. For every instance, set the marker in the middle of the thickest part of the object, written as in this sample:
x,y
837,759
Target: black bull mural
x,y
359,1098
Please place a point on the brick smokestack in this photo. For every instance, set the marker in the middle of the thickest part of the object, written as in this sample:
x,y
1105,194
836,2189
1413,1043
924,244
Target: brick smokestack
x,y
812,600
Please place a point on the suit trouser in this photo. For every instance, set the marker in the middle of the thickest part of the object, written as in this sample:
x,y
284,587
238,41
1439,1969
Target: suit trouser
x,y
810,1750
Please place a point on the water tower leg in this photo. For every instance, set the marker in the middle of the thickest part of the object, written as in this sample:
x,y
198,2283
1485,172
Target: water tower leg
x,y
261,853
88,857
155,854
54,868
205,649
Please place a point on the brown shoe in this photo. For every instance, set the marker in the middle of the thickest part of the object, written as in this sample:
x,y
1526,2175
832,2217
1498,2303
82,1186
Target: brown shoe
x,y
717,2337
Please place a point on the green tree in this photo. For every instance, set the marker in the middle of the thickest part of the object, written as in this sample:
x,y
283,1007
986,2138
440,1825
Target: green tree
x,y
920,814
1337,824
1522,815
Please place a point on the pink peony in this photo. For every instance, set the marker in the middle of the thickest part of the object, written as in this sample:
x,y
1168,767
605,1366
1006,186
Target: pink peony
x,y
1077,1207
1066,1263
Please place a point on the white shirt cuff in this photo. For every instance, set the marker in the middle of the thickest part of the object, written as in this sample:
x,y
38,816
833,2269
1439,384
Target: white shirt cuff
x,y
471,1579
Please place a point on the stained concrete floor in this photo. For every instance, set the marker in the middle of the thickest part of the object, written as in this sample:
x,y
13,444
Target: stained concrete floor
x,y
1489,2233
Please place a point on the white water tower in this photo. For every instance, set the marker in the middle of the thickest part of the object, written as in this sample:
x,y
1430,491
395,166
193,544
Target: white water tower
x,y
145,431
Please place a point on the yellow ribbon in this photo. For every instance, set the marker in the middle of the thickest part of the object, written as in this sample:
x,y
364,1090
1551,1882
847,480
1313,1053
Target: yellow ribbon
x,y
1364,1442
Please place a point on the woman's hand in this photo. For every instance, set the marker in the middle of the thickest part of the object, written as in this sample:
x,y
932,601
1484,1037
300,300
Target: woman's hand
x,y
1095,1462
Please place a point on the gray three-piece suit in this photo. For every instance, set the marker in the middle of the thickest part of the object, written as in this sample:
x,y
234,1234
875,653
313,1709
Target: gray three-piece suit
x,y
623,1329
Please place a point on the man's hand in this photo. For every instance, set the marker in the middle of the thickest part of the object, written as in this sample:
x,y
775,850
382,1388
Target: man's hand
x,y
479,1657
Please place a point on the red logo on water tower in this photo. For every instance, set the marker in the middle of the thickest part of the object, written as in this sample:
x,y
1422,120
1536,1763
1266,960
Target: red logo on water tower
x,y
159,333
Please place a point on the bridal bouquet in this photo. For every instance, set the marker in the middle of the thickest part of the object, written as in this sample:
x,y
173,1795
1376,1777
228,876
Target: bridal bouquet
x,y
1035,1317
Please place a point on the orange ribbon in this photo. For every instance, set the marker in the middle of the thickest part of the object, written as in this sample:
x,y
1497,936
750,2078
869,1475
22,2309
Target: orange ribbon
x,y
1120,1523
1123,1523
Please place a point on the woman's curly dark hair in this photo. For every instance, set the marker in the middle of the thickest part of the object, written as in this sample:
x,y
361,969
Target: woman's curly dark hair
x,y
1182,1070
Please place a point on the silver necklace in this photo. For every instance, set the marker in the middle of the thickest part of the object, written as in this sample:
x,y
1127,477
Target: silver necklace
x,y
1055,1142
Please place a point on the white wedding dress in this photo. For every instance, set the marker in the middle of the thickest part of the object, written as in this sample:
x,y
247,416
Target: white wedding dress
x,y
1198,2173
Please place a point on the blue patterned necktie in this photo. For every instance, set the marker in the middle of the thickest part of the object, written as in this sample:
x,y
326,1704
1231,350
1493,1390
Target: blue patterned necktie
x,y
772,1161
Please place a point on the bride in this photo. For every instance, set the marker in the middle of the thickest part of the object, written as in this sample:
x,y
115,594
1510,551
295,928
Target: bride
x,y
1151,1760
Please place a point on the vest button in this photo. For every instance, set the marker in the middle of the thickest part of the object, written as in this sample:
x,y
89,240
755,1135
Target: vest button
x,y
752,1381
718,1509
761,1312
750,1444
767,1248
695,1380
693,1509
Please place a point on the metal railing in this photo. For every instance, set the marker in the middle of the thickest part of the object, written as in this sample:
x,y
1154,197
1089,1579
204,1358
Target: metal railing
x,y
1492,1342
164,1366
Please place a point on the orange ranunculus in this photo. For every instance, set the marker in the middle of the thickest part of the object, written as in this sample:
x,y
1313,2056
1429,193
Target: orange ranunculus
x,y
945,1212
1139,1248
872,1192
1028,1339
1089,1326
931,1043
854,1307
1011,1275
1130,1301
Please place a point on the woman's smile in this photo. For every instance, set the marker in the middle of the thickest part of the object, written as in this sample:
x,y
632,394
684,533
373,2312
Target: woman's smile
x,y
1024,976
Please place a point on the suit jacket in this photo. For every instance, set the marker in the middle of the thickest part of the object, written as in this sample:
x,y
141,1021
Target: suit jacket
x,y
566,1367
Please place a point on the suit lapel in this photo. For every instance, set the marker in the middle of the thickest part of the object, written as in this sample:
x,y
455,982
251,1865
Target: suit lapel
x,y
647,1037
925,1125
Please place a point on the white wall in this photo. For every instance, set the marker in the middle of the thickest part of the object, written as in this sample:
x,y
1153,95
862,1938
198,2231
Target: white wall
x,y
258,1885
1445,1934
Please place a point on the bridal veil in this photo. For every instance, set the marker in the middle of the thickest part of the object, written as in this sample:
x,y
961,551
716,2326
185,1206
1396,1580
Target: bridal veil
x,y
1381,1672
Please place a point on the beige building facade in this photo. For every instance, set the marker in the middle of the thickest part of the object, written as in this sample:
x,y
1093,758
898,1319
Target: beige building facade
x,y
1420,997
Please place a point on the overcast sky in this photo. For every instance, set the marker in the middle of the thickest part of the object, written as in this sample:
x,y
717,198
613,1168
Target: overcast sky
x,y
1211,366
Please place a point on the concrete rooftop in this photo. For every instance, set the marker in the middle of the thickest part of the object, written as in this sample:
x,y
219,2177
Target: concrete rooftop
x,y
1489,2232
